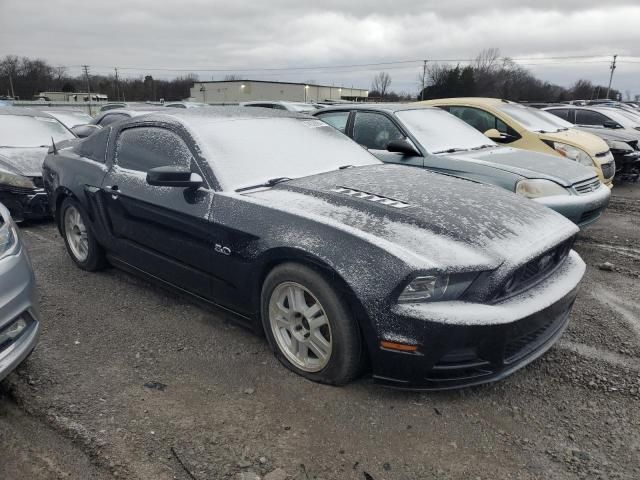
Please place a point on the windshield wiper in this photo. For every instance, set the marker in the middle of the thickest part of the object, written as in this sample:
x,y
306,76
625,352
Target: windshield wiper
x,y
269,183
486,145
451,150
344,167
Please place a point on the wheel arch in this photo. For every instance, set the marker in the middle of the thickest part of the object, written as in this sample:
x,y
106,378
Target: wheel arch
x,y
279,256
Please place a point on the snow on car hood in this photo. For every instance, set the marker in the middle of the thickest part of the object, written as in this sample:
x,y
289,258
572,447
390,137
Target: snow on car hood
x,y
426,219
23,161
530,164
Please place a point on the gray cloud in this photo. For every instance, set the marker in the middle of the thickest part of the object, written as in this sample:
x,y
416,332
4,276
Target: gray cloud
x,y
287,33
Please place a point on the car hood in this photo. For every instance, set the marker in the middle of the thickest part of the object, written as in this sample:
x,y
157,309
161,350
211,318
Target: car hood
x,y
588,142
529,164
23,161
430,221
611,134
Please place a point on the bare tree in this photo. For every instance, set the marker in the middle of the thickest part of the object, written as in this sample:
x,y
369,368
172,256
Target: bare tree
x,y
232,76
487,60
381,83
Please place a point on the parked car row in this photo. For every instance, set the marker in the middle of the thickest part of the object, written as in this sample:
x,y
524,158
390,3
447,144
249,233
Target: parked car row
x,y
429,254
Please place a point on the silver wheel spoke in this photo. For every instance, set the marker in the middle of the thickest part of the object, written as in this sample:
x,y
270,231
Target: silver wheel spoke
x,y
319,345
316,323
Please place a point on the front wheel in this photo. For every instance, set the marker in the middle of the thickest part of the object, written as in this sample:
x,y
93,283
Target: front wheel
x,y
81,244
309,326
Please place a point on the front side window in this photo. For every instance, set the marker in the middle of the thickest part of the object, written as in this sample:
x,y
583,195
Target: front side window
x,y
589,117
375,131
483,121
337,120
144,148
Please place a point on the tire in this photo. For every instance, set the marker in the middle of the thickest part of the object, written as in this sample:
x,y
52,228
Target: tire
x,y
77,231
327,317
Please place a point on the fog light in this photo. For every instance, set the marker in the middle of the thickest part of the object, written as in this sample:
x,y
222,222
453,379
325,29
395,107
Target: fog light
x,y
13,331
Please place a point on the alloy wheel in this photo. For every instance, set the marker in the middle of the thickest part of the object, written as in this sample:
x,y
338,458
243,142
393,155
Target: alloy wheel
x,y
300,326
76,233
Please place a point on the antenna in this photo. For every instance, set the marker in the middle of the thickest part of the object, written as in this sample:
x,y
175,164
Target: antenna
x,y
53,145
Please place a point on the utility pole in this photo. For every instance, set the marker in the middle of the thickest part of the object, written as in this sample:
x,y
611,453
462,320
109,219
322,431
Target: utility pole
x,y
85,68
13,94
117,86
424,78
612,68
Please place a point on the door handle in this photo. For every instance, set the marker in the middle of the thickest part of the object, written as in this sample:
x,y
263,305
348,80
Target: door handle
x,y
113,190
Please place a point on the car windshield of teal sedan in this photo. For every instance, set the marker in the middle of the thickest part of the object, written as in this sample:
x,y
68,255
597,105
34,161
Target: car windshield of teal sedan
x,y
531,118
23,131
248,152
439,131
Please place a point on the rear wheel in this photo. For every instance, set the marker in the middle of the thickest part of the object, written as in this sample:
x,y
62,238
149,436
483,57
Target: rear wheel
x,y
309,326
81,244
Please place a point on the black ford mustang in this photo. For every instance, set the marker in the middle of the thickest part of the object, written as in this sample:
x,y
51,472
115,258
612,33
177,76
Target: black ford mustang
x,y
436,282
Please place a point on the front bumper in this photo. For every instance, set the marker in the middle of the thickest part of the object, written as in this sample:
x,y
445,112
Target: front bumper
x,y
581,209
461,344
18,299
26,205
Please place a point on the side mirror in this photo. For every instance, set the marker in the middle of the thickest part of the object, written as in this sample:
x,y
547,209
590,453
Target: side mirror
x,y
611,124
494,134
172,176
402,146
83,131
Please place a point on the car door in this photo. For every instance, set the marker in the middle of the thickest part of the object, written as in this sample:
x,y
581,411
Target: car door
x,y
163,231
590,118
374,131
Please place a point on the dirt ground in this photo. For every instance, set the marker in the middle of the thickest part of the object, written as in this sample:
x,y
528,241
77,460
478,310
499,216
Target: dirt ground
x,y
131,382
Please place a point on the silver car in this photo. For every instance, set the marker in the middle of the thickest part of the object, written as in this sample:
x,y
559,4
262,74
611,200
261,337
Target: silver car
x,y
19,325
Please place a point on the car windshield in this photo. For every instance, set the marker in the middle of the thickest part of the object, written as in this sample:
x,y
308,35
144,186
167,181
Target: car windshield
x,y
279,147
27,131
439,131
531,118
72,119
624,117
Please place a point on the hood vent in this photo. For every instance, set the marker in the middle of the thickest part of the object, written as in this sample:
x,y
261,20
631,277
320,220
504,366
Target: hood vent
x,y
371,197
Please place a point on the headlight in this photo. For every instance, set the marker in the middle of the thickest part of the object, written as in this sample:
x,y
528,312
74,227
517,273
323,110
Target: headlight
x,y
8,239
618,145
431,288
573,153
14,180
538,187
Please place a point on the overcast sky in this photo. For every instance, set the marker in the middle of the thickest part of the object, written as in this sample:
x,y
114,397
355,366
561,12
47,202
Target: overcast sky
x,y
201,35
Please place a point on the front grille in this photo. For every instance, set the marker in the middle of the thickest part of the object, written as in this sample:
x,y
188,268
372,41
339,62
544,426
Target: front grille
x,y
608,170
522,344
534,271
17,190
589,215
38,182
587,187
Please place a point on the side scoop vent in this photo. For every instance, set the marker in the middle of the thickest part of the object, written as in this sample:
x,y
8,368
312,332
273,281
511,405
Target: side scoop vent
x,y
371,197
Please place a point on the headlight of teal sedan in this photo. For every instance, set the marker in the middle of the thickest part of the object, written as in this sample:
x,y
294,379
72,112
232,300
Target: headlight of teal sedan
x,y
538,187
431,288
13,180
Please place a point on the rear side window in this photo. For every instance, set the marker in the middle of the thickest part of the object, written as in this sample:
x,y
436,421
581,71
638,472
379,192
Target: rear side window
x,y
375,131
337,120
94,146
110,118
563,113
144,148
589,117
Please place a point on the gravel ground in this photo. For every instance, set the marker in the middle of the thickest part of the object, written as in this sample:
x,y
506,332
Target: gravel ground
x,y
130,381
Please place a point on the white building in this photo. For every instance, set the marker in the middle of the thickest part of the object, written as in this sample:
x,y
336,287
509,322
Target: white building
x,y
235,91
